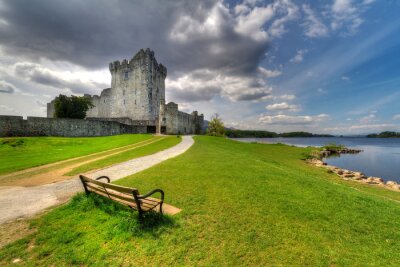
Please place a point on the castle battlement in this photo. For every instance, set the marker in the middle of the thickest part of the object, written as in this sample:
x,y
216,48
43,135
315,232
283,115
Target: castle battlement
x,y
142,59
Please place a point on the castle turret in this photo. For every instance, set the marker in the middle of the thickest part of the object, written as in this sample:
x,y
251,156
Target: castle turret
x,y
137,86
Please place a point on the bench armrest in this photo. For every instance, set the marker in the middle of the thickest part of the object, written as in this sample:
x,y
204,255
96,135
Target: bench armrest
x,y
151,193
104,177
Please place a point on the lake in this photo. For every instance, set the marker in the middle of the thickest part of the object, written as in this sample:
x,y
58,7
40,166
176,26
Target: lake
x,y
380,156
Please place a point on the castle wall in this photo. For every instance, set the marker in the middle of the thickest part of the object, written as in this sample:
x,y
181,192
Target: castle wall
x,y
170,119
11,126
36,126
178,122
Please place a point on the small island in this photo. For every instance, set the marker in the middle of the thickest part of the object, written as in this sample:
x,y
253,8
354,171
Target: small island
x,y
386,134
236,133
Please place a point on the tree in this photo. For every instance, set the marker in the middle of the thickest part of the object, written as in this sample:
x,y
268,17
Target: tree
x,y
73,107
216,126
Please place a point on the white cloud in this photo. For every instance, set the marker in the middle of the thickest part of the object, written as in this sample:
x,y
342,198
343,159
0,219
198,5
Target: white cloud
x,y
345,78
288,120
346,15
396,117
282,107
286,97
367,2
187,27
277,97
290,11
368,119
4,109
203,85
41,103
343,6
251,19
314,27
269,73
299,57
251,22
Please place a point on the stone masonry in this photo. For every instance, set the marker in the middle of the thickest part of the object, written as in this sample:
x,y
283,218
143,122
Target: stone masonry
x,y
137,97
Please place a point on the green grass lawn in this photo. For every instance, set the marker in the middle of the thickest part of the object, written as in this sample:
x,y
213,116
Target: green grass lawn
x,y
24,152
147,149
243,204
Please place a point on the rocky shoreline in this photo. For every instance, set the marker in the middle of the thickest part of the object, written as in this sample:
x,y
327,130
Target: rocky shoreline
x,y
354,175
326,153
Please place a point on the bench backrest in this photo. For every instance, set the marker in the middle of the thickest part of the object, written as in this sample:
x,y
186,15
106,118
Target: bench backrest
x,y
122,194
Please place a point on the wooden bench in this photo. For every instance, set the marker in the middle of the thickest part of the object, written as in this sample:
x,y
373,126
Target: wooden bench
x,y
124,195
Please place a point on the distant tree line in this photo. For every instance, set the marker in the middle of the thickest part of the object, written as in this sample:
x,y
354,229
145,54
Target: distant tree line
x,y
386,134
234,133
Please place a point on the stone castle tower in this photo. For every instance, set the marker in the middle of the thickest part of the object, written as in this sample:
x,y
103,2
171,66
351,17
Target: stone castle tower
x,y
137,97
137,88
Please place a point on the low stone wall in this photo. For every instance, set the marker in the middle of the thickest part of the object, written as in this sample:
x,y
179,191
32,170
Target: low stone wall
x,y
37,126
126,120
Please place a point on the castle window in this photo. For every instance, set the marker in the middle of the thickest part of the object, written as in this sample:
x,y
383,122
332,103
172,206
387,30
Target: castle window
x,y
126,75
123,92
124,101
104,101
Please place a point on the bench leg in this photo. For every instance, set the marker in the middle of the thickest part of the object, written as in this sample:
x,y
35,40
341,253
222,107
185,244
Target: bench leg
x,y
84,185
161,208
141,213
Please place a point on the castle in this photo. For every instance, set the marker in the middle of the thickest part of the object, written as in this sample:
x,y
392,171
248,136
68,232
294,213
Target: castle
x,y
137,97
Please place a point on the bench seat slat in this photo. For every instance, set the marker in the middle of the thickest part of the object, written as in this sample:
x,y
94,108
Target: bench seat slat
x,y
111,190
128,198
104,194
110,186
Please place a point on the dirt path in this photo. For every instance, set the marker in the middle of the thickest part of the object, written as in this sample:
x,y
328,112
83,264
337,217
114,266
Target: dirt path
x,y
55,172
16,202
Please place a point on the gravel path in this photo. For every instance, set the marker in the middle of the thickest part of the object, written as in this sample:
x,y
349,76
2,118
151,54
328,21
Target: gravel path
x,y
16,202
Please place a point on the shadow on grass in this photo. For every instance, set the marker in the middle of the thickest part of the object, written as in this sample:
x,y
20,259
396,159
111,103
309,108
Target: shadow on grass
x,y
123,218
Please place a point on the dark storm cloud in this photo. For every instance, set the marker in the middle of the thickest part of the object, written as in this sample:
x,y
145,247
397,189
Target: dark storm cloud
x,y
92,33
38,74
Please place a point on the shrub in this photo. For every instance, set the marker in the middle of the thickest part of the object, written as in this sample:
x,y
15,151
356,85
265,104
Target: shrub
x,y
333,147
216,126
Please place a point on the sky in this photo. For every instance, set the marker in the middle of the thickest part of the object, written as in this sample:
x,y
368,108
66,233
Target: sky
x,y
329,66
